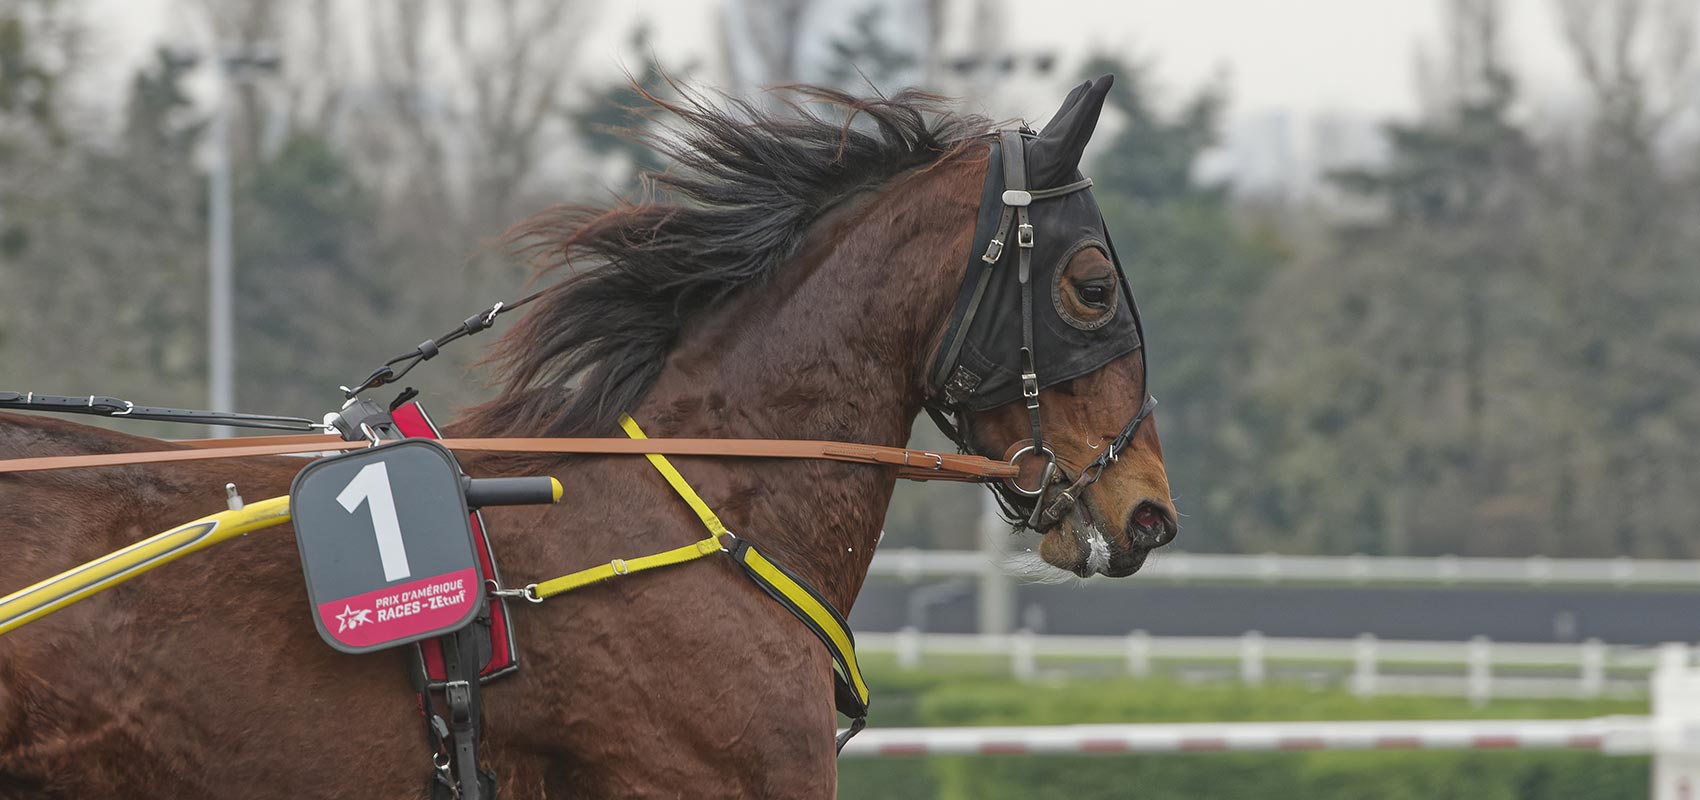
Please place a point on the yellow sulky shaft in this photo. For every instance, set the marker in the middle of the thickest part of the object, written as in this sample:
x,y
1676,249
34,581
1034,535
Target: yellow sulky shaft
x,y
27,605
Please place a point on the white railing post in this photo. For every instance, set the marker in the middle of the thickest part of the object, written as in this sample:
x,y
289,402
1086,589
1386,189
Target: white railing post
x,y
1676,724
1481,670
1139,654
908,648
1363,674
1251,658
1593,674
1023,656
996,596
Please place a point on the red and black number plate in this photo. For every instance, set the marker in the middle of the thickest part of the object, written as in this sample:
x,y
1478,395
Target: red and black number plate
x,y
386,545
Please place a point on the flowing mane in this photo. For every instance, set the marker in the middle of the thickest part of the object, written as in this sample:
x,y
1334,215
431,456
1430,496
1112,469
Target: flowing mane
x,y
745,187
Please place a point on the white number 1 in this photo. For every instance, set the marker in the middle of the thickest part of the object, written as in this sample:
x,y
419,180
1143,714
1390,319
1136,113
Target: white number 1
x,y
372,487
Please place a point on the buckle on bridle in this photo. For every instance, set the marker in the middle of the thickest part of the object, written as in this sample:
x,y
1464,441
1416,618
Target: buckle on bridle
x,y
938,460
1024,235
994,251
1044,479
1044,515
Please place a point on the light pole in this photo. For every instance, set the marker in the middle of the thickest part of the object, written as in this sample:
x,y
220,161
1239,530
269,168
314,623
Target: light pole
x,y
235,65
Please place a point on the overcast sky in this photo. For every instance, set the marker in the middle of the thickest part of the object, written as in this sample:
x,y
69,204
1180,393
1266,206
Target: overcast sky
x,y
1290,68
1276,54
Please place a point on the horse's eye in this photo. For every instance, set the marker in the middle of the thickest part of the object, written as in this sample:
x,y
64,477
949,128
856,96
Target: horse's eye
x,y
1094,295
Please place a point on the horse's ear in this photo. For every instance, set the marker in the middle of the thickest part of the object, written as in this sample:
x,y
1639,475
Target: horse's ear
x,y
1053,158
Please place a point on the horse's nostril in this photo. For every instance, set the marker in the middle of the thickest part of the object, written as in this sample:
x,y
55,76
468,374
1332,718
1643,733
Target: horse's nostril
x,y
1153,525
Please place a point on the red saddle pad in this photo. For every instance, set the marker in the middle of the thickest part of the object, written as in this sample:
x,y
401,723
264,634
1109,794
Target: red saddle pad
x,y
412,421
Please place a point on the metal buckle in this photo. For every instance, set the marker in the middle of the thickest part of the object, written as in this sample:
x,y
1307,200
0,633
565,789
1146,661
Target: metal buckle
x,y
994,251
370,434
529,593
1044,479
1044,514
1024,234
938,460
1030,388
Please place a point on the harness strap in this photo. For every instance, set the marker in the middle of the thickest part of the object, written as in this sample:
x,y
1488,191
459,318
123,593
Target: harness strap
x,y
466,723
1017,197
910,464
850,691
675,480
544,590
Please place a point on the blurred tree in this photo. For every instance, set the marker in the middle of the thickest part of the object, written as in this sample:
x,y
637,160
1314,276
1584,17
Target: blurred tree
x,y
308,279
106,284
611,122
1379,391
35,36
761,42
864,56
1501,362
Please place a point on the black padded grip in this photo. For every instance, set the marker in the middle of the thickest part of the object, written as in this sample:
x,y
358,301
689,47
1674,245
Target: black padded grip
x,y
482,492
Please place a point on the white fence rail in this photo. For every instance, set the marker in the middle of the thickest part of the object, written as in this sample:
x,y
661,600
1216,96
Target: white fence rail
x,y
1671,734
912,565
1623,735
1479,668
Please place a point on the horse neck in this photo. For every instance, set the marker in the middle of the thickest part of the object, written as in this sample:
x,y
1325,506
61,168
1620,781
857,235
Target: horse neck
x,y
833,348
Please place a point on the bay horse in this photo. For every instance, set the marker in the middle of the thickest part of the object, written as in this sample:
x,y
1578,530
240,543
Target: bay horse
x,y
793,280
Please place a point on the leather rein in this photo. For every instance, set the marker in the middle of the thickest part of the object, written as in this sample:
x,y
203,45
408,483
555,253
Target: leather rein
x,y
910,464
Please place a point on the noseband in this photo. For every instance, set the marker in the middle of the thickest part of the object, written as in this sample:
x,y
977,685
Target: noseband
x,y
960,388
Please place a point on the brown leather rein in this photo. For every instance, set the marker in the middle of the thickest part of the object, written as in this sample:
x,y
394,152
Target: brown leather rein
x,y
920,465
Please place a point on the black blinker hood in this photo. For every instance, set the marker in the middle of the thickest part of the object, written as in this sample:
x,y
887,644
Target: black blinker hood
x,y
979,365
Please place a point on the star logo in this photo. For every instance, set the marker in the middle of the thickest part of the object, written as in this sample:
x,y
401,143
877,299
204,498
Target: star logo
x,y
349,618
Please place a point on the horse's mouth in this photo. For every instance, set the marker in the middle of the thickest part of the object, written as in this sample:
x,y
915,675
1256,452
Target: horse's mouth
x,y
1087,550
1128,563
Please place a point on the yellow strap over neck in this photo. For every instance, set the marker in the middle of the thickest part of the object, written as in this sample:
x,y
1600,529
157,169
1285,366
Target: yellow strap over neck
x,y
674,479
678,555
790,591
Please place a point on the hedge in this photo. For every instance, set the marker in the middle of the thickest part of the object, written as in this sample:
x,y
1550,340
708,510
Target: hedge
x,y
904,699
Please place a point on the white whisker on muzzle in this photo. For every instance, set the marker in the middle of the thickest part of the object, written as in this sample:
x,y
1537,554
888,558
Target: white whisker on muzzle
x,y
1098,551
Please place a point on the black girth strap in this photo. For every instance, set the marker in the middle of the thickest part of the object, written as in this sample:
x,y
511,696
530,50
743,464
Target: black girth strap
x,y
462,777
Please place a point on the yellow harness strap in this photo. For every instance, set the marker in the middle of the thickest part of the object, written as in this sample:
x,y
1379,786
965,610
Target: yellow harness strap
x,y
678,555
674,479
850,690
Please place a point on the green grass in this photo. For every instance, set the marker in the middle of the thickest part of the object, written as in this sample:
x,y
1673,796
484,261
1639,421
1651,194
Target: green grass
x,y
976,697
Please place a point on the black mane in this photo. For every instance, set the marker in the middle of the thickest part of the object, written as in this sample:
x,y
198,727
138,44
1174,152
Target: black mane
x,y
745,188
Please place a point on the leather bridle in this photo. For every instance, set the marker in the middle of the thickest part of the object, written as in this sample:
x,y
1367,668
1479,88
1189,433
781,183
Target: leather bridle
x,y
1038,508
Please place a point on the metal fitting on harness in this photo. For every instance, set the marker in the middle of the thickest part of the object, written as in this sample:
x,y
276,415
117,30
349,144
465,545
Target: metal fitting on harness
x,y
459,695
994,251
1030,388
1024,235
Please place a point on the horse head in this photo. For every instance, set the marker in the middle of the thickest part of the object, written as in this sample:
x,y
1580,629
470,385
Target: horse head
x,y
1043,360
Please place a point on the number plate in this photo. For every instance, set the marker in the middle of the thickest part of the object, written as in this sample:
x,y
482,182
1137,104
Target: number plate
x,y
385,545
